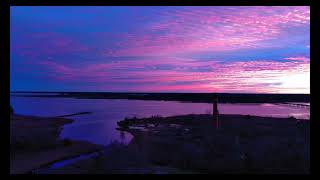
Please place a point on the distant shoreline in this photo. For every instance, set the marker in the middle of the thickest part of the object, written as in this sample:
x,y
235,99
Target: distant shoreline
x,y
183,97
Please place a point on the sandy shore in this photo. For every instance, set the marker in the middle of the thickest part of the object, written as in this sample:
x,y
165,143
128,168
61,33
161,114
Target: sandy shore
x,y
35,142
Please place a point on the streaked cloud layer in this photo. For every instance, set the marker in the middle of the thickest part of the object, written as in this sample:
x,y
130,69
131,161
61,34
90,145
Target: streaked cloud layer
x,y
161,49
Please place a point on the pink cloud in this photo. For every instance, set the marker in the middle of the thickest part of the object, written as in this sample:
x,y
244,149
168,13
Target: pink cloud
x,y
203,29
251,76
171,34
298,58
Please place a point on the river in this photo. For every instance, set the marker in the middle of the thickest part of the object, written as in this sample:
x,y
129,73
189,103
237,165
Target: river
x,y
99,127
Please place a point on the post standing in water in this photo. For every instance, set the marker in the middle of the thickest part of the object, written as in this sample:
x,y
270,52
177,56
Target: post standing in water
x,y
215,110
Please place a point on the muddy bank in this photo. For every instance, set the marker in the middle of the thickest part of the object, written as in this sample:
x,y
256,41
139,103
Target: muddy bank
x,y
35,142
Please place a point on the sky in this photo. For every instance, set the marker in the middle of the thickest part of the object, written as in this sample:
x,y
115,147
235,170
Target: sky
x,y
160,49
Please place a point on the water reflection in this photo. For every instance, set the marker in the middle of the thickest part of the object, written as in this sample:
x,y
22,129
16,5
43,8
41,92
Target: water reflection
x,y
122,137
100,126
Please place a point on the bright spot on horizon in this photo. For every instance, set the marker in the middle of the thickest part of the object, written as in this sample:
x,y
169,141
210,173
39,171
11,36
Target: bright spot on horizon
x,y
161,49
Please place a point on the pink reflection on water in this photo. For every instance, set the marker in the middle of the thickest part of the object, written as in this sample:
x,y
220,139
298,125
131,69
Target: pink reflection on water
x,y
100,126
266,110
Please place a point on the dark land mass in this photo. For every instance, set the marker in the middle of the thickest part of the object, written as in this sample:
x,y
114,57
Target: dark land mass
x,y
192,144
35,143
240,144
73,114
185,97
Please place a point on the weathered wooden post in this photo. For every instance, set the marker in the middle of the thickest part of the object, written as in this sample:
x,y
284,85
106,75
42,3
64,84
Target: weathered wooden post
x,y
215,111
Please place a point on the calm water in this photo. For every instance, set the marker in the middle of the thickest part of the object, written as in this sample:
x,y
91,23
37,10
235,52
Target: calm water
x,y
99,127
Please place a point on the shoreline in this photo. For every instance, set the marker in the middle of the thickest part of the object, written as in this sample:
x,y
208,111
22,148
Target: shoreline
x,y
241,144
35,143
187,144
182,97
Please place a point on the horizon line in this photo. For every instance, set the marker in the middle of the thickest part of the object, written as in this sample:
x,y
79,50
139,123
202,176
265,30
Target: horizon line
x,y
154,92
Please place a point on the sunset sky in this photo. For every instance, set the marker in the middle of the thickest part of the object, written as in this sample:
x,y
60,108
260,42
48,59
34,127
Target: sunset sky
x,y
161,49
